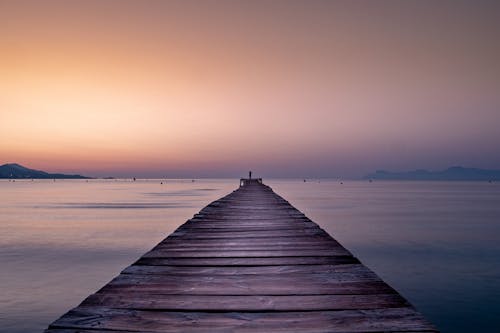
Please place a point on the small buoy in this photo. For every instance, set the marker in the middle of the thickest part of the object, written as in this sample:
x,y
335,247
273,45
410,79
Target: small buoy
x,y
341,183
161,183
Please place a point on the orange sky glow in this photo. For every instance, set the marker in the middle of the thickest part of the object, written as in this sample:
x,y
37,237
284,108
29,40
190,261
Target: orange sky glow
x,y
215,88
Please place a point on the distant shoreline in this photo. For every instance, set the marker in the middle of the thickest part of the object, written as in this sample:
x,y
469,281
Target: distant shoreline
x,y
17,171
456,173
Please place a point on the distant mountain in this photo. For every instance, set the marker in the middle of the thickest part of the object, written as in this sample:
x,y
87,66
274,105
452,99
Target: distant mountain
x,y
16,171
453,173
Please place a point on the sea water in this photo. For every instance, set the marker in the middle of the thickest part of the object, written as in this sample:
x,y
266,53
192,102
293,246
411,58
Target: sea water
x,y
437,243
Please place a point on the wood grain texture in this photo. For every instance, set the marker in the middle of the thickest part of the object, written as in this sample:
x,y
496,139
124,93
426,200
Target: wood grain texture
x,y
248,262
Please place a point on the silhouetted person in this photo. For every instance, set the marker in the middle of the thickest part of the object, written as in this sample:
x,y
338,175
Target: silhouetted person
x,y
249,174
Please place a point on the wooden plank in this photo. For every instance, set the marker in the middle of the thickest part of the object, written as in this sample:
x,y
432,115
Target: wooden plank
x,y
243,270
376,320
226,253
247,227
243,218
89,330
255,241
251,280
191,234
239,223
243,262
245,247
179,286
151,301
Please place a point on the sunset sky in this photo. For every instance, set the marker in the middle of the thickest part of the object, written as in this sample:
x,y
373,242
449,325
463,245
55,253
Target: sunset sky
x,y
216,88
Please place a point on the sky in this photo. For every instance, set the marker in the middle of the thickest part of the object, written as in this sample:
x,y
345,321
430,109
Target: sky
x,y
216,88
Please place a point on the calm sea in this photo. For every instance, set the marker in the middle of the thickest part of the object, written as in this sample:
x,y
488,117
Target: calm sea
x,y
437,243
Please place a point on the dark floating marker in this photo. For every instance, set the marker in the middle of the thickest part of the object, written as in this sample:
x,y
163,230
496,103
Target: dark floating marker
x,y
248,262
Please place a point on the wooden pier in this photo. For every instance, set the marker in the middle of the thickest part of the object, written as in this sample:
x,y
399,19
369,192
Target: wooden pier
x,y
248,262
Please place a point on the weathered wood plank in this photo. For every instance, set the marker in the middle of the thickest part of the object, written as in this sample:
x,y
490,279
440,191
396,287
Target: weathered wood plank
x,y
227,253
80,330
243,262
243,270
180,286
191,234
203,228
376,320
246,247
147,301
92,330
254,241
286,279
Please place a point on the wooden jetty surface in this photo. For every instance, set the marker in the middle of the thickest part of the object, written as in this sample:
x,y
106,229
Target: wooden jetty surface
x,y
248,262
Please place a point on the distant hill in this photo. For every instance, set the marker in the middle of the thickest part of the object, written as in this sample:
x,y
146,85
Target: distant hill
x,y
453,173
16,171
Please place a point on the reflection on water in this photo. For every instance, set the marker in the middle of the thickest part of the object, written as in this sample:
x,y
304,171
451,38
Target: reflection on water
x,y
437,243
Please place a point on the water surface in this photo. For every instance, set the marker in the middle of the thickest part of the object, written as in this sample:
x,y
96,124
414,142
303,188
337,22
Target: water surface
x,y
437,243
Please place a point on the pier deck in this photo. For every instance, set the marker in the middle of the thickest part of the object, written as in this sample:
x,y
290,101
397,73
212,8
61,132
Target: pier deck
x,y
248,262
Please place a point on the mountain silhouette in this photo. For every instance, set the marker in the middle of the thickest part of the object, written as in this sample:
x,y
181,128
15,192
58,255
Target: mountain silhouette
x,y
17,171
452,173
